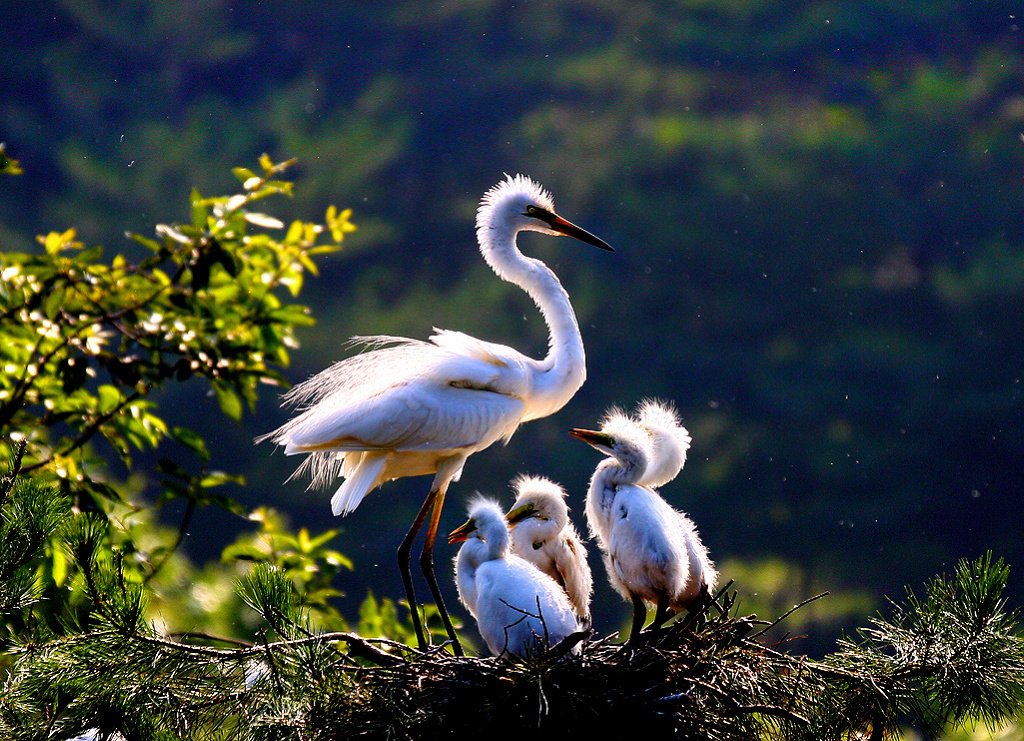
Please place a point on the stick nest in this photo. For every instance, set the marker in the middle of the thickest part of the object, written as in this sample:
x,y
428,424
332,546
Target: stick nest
x,y
708,676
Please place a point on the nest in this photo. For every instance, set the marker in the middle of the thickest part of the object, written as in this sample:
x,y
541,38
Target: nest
x,y
706,676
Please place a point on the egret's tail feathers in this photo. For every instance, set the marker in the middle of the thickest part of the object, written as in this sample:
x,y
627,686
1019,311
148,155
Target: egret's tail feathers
x,y
358,483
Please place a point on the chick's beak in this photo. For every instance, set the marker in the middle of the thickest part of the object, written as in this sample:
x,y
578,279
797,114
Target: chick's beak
x,y
595,438
519,513
462,532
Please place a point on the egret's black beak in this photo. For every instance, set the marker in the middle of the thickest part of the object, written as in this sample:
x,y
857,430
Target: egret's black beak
x,y
560,225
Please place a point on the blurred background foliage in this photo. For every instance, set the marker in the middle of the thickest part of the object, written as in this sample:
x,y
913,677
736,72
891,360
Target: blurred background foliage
x,y
816,207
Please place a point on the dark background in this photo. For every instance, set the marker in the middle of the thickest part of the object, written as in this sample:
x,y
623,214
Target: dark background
x,y
816,207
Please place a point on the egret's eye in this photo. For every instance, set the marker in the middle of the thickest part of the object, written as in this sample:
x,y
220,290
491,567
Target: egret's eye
x,y
532,210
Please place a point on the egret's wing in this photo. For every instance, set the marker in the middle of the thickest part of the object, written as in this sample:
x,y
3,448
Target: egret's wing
x,y
437,402
516,603
386,362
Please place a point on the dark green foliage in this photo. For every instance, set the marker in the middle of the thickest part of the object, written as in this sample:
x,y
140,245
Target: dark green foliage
x,y
85,346
30,513
954,655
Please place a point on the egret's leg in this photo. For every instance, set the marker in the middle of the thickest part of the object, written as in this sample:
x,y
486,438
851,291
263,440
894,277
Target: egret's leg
x,y
639,617
427,564
404,553
661,613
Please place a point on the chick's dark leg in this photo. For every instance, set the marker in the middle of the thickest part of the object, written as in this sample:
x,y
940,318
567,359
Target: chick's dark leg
x,y
639,618
662,613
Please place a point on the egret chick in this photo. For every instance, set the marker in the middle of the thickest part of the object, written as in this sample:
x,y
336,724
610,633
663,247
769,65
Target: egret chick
x,y
670,442
407,407
518,609
643,538
543,535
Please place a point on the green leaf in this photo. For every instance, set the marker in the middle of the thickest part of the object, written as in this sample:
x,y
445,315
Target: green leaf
x,y
89,256
192,440
150,244
54,302
230,402
242,552
198,210
267,164
8,166
219,478
322,538
294,314
55,242
243,173
109,398
231,504
295,232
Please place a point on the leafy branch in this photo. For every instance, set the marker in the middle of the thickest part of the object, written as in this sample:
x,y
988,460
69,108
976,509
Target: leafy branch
x,y
84,343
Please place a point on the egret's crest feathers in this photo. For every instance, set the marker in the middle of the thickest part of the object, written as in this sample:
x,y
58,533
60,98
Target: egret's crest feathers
x,y
512,185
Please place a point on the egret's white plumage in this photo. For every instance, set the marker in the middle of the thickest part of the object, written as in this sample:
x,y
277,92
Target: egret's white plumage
x,y
407,407
543,535
647,544
518,609
670,442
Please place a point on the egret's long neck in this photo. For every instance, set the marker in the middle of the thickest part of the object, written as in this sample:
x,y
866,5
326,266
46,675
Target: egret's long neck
x,y
496,540
666,461
627,466
605,485
563,369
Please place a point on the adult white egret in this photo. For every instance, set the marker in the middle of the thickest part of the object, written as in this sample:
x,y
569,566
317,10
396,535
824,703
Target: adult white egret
x,y
543,535
408,407
518,609
645,541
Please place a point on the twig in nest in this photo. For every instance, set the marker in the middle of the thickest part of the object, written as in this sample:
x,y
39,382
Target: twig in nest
x,y
786,614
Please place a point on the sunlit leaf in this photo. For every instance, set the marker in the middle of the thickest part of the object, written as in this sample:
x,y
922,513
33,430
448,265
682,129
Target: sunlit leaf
x,y
109,398
229,401
268,222
219,478
8,165
191,440
243,174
